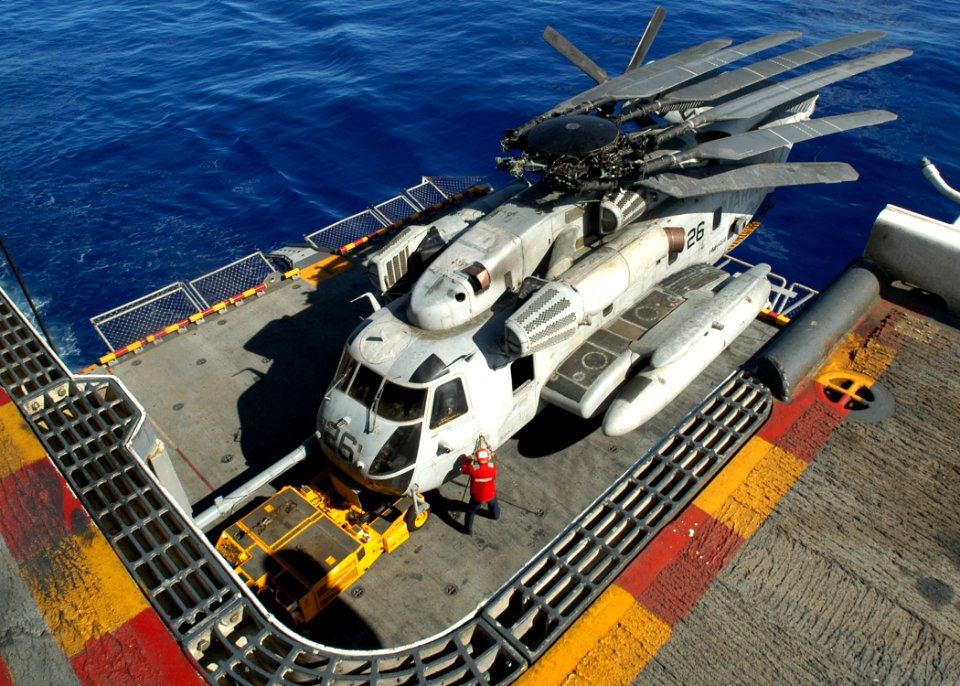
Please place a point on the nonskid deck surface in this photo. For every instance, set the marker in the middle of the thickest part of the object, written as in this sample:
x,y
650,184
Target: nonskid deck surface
x,y
827,551
247,385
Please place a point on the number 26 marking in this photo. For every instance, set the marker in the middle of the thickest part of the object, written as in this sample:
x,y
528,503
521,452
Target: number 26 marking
x,y
343,443
695,234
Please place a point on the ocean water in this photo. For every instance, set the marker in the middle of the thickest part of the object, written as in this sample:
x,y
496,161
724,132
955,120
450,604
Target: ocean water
x,y
143,143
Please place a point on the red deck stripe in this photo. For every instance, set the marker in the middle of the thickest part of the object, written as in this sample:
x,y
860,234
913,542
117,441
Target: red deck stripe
x,y
6,678
196,470
803,426
4,398
678,587
141,652
29,497
661,551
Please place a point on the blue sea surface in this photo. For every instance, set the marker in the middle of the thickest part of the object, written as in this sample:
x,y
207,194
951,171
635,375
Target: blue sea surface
x,y
144,143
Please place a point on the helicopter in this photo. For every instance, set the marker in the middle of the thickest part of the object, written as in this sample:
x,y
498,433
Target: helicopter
x,y
587,281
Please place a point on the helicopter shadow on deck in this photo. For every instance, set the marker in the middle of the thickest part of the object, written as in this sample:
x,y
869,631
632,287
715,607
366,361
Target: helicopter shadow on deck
x,y
552,431
298,355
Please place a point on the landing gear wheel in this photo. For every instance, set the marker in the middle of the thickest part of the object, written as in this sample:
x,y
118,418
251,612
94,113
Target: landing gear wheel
x,y
415,521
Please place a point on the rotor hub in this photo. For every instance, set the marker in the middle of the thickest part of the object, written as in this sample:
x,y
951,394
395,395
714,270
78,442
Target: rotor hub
x,y
575,135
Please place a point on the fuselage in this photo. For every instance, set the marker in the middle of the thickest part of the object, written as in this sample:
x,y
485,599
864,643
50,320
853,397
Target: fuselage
x,y
426,377
407,402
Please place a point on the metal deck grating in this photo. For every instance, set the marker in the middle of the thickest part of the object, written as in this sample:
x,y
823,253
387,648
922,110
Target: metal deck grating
x,y
27,364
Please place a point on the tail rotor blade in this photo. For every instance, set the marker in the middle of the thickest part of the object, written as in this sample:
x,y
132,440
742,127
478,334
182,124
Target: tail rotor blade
x,y
643,47
574,54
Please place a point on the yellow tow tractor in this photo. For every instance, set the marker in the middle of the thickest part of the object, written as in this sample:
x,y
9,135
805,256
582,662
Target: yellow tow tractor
x,y
304,546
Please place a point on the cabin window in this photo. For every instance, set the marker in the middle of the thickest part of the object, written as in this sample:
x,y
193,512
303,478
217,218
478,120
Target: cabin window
x,y
430,369
401,403
449,402
717,218
521,371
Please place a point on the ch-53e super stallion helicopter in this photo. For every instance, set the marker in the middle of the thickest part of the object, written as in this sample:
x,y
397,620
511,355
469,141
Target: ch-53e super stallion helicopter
x,y
587,282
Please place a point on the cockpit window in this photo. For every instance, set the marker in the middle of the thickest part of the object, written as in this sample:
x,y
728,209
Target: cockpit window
x,y
399,452
389,400
401,403
365,385
449,402
345,371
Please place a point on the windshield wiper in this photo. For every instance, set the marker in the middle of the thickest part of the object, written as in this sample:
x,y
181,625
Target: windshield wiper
x,y
374,405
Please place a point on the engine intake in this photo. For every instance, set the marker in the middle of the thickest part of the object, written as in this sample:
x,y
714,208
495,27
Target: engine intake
x,y
551,316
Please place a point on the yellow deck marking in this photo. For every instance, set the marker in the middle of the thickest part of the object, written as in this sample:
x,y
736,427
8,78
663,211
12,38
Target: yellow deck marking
x,y
18,444
562,658
716,493
859,354
623,651
872,359
753,500
324,269
82,589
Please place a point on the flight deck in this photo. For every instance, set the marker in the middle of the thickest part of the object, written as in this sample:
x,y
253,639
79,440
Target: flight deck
x,y
247,384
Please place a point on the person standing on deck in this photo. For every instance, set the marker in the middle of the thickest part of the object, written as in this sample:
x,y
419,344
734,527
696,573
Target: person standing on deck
x,y
483,486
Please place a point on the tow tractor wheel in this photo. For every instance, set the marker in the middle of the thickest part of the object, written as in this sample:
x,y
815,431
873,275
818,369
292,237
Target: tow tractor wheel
x,y
413,520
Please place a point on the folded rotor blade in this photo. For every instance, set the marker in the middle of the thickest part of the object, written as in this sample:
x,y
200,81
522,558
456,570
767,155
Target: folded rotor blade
x,y
769,175
596,96
765,99
652,78
647,80
643,47
574,54
753,143
657,77
741,146
695,52
636,79
732,81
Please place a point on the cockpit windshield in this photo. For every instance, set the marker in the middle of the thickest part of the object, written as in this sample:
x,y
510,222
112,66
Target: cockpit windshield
x,y
365,386
389,400
401,403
